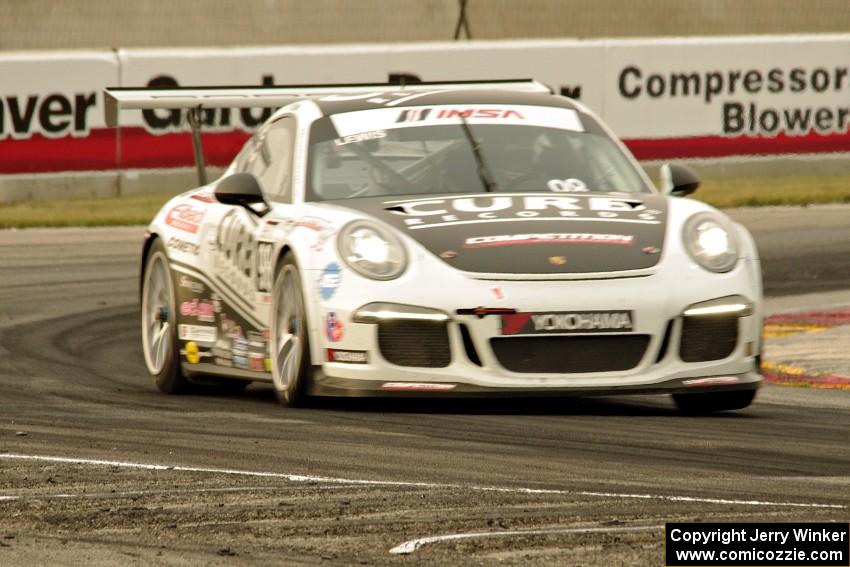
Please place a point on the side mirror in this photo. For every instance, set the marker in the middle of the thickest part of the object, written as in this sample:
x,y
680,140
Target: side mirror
x,y
678,180
240,189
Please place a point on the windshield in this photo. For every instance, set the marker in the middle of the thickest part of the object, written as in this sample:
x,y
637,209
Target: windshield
x,y
441,158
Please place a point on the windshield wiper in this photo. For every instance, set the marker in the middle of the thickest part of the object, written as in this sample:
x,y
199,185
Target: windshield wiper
x,y
481,168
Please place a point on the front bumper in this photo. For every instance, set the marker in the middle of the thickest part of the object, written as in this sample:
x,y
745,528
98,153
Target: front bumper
x,y
658,309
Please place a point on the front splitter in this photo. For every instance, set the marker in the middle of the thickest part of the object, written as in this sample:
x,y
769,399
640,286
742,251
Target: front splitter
x,y
323,385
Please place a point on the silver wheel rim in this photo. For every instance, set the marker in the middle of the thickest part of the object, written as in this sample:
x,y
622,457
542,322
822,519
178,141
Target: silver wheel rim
x,y
157,314
288,329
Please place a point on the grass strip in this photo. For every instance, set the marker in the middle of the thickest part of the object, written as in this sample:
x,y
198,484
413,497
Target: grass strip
x,y
140,209
763,191
104,211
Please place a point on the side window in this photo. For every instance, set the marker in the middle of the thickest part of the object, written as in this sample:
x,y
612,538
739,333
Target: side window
x,y
272,160
245,154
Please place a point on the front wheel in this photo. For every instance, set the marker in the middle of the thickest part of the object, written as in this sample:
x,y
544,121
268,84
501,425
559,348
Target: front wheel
x,y
290,345
159,333
712,402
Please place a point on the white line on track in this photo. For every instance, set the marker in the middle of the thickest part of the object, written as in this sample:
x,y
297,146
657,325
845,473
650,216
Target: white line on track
x,y
413,484
134,493
414,544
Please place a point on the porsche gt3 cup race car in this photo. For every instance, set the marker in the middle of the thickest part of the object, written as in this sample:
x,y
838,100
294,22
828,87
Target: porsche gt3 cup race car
x,y
443,239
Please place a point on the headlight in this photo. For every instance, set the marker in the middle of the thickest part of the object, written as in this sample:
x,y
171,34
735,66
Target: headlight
x,y
371,250
711,242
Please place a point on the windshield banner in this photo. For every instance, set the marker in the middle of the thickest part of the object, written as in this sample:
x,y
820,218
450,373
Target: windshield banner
x,y
350,123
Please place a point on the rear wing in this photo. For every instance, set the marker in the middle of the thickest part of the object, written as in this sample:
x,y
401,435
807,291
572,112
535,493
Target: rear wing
x,y
121,98
195,99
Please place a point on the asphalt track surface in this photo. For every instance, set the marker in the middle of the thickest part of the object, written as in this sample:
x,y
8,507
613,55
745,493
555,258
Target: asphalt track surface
x,y
96,467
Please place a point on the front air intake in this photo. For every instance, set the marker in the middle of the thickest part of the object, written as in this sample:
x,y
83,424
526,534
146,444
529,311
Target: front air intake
x,y
706,338
469,346
424,344
569,355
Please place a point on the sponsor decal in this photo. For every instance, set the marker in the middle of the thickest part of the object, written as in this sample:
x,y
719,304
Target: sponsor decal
x,y
239,345
200,333
413,115
273,231
375,135
448,254
53,115
567,322
376,119
264,266
417,386
322,239
202,310
312,223
259,346
330,280
558,260
234,256
184,246
230,329
267,364
256,362
711,381
420,114
497,292
258,339
429,213
193,354
548,238
194,286
348,356
217,304
219,352
748,117
184,217
323,228
571,185
204,196
334,328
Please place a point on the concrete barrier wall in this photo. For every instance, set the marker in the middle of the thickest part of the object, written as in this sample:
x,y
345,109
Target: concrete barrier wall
x,y
52,24
741,105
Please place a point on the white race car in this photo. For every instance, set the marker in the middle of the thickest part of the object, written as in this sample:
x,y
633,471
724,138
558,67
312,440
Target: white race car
x,y
443,239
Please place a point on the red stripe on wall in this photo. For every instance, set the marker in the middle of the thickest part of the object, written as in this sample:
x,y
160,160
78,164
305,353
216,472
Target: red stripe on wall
x,y
142,150
44,155
720,146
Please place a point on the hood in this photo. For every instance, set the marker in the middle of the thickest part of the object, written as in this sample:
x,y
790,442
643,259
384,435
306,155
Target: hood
x,y
529,233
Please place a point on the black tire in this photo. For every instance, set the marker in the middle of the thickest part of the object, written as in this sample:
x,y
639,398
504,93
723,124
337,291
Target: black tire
x,y
291,377
159,326
712,402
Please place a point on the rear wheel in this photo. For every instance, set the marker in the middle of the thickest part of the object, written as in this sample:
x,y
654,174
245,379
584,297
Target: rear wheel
x,y
290,346
711,402
159,329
